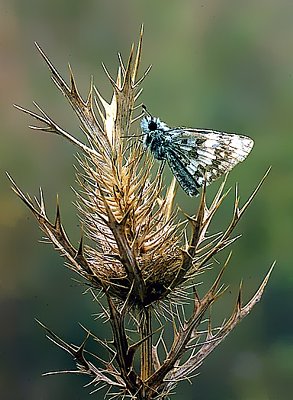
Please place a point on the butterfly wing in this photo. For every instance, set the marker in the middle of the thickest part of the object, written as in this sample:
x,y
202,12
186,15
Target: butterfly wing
x,y
190,182
195,155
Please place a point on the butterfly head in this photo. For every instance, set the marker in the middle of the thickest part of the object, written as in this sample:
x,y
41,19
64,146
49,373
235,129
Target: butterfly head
x,y
150,124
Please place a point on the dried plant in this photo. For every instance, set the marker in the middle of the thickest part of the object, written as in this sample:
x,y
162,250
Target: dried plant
x,y
141,263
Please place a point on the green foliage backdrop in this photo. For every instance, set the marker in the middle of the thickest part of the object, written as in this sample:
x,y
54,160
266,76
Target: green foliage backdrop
x,y
219,64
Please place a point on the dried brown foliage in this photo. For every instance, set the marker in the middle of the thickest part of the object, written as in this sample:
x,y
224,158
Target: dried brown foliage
x,y
142,264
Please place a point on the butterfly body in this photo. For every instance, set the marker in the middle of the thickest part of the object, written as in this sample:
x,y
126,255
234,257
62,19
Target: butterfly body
x,y
194,155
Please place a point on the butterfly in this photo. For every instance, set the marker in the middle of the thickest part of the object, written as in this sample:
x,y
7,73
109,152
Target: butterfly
x,y
195,156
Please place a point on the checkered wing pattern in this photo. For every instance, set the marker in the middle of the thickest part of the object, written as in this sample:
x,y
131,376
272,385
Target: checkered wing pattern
x,y
195,156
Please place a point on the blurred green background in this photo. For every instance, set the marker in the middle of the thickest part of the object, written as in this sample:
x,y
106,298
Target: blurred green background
x,y
221,64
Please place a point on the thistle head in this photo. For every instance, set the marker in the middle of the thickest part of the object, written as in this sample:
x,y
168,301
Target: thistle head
x,y
134,248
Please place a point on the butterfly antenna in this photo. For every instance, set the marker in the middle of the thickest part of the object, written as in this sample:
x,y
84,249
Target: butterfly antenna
x,y
146,111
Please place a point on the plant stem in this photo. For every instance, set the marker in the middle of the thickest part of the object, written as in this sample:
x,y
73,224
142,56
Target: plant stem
x,y
146,351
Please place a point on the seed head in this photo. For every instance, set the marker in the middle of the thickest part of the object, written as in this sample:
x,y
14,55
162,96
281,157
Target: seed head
x,y
138,253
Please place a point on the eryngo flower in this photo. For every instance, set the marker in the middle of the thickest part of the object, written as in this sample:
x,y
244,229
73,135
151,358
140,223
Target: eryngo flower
x,y
138,253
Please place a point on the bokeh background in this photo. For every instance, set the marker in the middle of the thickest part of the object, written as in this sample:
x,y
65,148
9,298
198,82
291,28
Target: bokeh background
x,y
221,64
